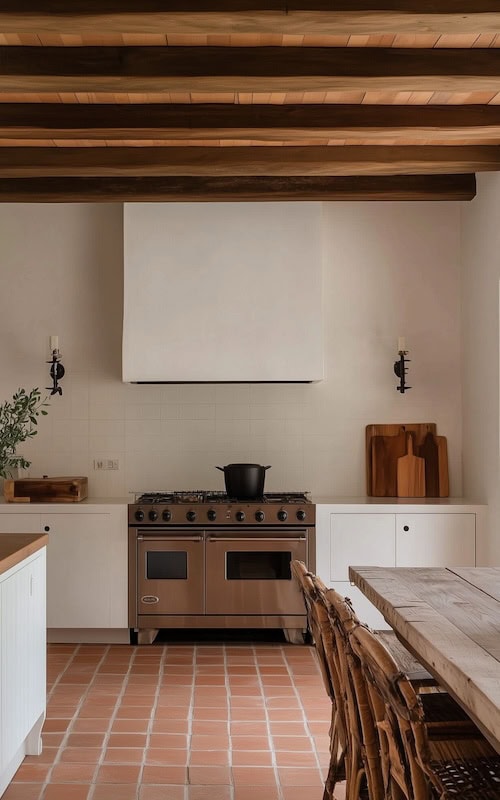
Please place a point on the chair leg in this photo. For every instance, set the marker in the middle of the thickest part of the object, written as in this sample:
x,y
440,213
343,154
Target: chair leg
x,y
336,769
354,774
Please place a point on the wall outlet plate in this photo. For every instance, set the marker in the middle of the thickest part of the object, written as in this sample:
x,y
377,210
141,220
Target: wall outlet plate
x,y
106,463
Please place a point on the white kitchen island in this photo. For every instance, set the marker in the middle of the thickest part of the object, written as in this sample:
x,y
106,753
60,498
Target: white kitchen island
x,y
22,649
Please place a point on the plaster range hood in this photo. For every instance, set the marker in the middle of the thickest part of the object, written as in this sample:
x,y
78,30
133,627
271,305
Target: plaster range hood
x,y
222,292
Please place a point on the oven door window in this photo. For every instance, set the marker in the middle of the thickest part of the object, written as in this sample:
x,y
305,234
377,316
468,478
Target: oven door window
x,y
258,566
166,565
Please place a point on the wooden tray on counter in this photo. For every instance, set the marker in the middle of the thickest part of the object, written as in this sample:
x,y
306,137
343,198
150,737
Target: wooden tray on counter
x,y
46,490
387,443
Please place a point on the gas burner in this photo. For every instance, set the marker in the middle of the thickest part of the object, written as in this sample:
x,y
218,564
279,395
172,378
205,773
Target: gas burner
x,y
286,497
189,497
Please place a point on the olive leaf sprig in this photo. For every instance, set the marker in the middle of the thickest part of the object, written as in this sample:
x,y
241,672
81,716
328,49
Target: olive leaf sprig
x,y
18,421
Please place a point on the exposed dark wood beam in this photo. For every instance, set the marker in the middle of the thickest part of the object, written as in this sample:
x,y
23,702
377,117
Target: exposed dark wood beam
x,y
250,69
265,122
19,162
399,187
251,16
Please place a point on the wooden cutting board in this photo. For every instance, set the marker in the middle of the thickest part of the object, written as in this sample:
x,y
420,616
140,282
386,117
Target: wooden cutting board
x,y
411,472
419,431
428,450
46,490
385,453
444,483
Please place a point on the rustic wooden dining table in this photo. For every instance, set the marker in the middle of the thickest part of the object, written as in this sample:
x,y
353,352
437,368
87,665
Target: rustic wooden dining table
x,y
450,620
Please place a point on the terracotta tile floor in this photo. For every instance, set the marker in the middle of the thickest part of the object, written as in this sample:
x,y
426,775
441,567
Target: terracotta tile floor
x,y
180,722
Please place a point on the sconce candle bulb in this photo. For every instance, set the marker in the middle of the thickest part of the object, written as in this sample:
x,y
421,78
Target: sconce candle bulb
x,y
53,343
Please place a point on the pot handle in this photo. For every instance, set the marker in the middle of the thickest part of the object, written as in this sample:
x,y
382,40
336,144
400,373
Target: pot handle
x,y
268,467
221,468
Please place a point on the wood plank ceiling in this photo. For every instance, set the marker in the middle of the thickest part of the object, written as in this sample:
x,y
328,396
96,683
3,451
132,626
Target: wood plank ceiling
x,y
247,99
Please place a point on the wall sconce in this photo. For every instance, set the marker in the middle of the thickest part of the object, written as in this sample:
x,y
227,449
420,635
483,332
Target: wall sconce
x,y
57,370
399,366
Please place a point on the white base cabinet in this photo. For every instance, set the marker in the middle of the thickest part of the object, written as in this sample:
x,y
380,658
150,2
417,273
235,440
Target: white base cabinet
x,y
87,557
22,663
399,535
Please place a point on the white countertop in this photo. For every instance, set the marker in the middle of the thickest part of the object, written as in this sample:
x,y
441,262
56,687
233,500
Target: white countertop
x,y
73,506
396,501
379,502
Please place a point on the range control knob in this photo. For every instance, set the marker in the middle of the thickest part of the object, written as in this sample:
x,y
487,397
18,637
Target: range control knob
x,y
191,516
301,514
240,516
211,515
153,516
259,516
282,515
139,515
167,515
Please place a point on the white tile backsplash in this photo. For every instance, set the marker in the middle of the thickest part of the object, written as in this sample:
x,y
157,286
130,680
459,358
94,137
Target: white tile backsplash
x,y
172,436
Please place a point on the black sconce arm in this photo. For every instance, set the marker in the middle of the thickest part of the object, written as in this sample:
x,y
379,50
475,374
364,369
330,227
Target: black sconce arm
x,y
56,372
400,371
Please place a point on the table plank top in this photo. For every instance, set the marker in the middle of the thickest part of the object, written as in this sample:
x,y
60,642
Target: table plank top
x,y
450,619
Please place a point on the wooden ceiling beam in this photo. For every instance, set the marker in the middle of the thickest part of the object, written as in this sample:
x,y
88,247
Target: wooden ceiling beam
x,y
246,69
67,122
209,189
364,17
19,162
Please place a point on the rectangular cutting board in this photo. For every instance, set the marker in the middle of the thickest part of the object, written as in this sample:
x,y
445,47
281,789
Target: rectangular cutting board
x,y
46,490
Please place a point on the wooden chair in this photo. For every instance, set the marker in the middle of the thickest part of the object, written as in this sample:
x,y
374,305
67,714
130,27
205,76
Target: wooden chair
x,y
350,746
354,742
363,767
322,634
426,751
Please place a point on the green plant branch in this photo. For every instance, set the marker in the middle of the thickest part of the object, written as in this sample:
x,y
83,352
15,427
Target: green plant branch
x,y
18,421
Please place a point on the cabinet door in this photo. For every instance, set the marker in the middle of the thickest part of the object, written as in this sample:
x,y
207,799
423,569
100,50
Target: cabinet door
x,y
435,540
22,654
86,571
19,523
360,540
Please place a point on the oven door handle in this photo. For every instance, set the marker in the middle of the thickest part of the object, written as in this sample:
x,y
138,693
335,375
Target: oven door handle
x,y
261,539
167,538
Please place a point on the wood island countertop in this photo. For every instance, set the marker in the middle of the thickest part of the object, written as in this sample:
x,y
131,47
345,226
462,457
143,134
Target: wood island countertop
x,y
15,547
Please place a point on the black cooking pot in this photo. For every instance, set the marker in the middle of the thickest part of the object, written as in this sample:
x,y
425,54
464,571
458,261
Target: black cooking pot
x,y
244,481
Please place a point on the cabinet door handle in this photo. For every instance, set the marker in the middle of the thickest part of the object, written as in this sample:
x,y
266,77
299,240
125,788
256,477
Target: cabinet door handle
x,y
406,527
47,528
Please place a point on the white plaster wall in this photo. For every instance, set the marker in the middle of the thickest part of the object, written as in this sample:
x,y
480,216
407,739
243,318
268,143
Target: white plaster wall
x,y
481,280
390,270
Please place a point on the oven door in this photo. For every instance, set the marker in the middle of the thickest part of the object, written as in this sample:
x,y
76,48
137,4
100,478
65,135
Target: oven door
x,y
250,574
170,574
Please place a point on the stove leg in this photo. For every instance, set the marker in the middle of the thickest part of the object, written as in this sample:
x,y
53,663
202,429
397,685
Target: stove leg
x,y
294,635
147,635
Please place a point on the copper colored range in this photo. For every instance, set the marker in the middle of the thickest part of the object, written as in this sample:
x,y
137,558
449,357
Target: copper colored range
x,y
201,560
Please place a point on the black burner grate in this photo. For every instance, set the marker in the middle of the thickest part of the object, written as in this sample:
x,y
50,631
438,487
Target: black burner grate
x,y
199,496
